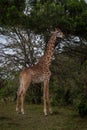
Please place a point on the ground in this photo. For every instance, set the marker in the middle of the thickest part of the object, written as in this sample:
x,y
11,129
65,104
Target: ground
x,y
63,118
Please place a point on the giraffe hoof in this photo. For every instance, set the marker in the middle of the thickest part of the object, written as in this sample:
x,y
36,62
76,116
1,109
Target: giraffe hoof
x,y
45,114
17,110
22,112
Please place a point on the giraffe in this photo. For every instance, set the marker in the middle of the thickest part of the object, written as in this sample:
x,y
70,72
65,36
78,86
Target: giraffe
x,y
38,73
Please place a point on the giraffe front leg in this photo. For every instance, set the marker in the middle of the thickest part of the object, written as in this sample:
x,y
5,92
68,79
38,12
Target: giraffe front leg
x,y
48,100
45,98
45,108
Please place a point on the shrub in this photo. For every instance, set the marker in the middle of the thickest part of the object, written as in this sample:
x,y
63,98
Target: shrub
x,y
82,107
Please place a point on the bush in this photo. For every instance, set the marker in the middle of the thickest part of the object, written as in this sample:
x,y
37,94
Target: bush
x,y
82,107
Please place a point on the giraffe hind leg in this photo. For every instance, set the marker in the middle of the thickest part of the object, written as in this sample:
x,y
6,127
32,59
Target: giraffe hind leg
x,y
45,98
23,92
48,100
18,97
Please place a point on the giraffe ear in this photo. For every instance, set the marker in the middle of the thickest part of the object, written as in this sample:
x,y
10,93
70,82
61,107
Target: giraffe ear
x,y
57,29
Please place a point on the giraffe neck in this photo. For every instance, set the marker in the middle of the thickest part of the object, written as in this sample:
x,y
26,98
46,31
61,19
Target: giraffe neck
x,y
49,50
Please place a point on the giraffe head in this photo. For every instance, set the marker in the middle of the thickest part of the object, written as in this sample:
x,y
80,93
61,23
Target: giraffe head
x,y
58,33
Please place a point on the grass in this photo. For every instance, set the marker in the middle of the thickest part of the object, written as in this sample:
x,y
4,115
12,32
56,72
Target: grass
x,y
64,118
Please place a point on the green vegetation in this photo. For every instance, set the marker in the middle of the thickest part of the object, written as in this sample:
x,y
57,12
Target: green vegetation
x,y
63,118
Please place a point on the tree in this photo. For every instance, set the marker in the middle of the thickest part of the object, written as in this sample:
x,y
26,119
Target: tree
x,y
70,15
11,12
76,47
22,50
